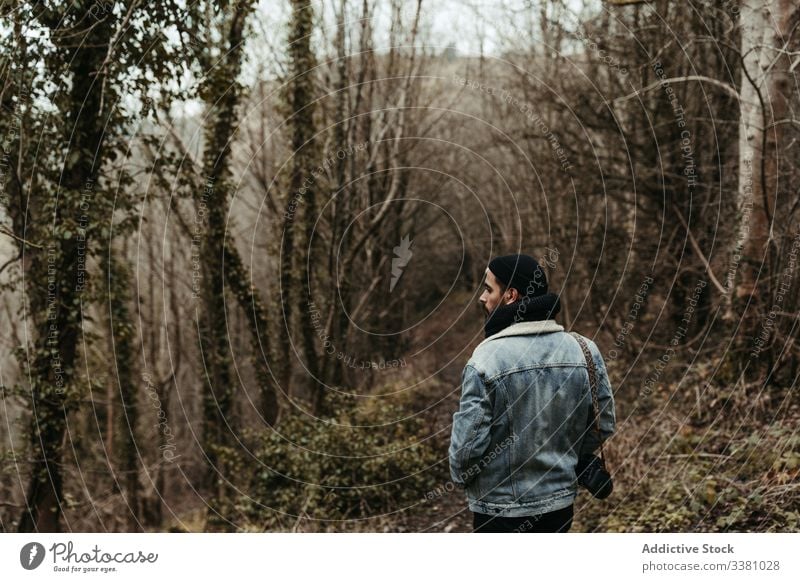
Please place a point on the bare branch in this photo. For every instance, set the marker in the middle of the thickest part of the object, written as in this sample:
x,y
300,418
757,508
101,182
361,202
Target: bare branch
x,y
700,254
730,89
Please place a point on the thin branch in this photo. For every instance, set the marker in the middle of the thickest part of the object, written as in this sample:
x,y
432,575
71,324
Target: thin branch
x,y
700,254
20,239
731,90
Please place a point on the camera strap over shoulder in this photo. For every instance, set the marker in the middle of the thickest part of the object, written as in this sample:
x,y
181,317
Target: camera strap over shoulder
x,y
592,369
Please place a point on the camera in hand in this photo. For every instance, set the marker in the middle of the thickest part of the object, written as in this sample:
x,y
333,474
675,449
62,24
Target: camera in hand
x,y
593,477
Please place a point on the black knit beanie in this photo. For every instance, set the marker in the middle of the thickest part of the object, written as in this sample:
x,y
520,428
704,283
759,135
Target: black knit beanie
x,y
521,272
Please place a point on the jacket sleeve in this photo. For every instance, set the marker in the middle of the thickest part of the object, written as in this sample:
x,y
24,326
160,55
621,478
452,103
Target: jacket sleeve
x,y
470,436
605,401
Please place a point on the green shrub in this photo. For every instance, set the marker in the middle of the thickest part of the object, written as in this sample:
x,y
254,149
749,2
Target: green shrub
x,y
367,461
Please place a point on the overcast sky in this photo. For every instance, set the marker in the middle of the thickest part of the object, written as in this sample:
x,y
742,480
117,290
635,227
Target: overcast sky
x,y
470,25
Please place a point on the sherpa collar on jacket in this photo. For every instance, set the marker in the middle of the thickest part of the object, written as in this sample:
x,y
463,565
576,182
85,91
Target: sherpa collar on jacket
x,y
526,328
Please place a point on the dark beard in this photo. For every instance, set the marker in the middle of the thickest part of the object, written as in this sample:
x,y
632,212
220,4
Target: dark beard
x,y
536,308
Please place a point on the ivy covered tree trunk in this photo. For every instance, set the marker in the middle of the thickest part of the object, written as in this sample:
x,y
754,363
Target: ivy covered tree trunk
x,y
296,268
56,276
222,93
238,279
122,330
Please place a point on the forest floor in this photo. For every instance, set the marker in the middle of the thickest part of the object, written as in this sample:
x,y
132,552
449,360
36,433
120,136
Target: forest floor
x,y
694,455
677,474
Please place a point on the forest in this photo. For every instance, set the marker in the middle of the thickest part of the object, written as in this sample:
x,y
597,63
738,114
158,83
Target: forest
x,y
242,244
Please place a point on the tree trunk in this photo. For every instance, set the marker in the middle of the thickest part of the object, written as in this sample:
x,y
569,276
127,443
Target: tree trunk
x,y
56,273
296,268
222,95
122,330
766,26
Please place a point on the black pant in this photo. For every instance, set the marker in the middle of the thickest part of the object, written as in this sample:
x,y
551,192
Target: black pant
x,y
559,521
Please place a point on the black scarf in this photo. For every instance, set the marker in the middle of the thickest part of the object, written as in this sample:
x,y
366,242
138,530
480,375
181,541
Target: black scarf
x,y
536,308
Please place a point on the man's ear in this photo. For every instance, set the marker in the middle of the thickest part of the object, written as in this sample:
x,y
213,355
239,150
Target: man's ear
x,y
512,295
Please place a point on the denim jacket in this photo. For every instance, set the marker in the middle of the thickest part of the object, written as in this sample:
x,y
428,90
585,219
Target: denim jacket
x,y
525,416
